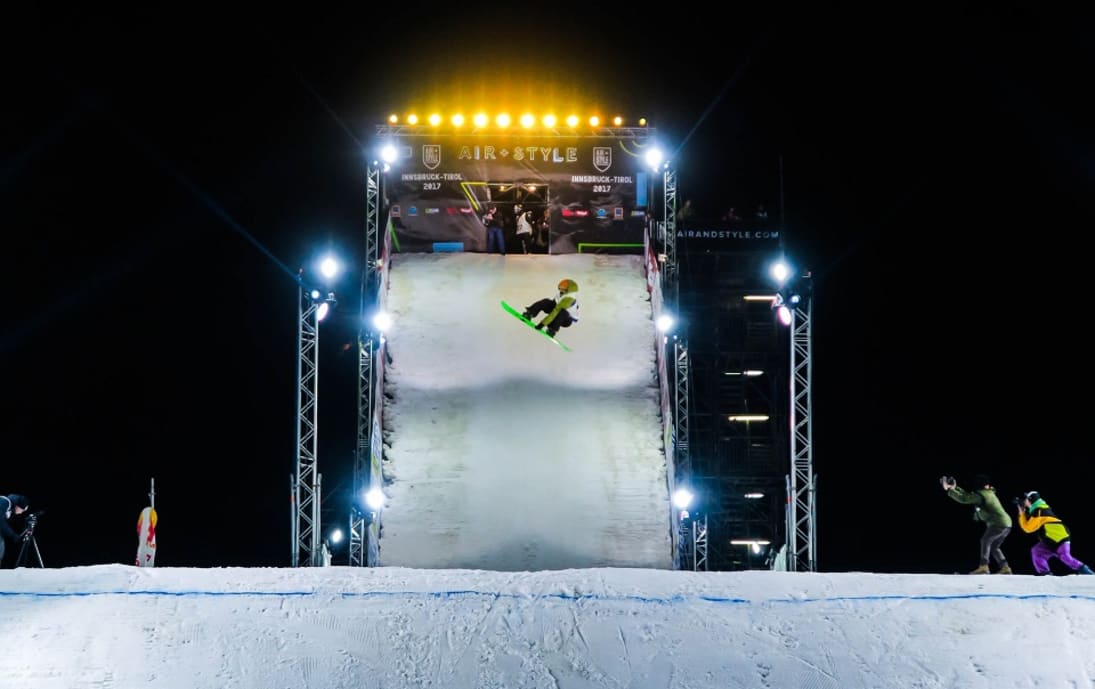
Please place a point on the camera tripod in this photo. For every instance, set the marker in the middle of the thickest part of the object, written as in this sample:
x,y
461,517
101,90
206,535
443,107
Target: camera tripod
x,y
28,541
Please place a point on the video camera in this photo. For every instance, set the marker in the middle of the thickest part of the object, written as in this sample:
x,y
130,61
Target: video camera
x,y
31,519
1018,502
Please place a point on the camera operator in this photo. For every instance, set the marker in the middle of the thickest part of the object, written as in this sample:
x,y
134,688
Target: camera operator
x,y
987,509
1054,538
9,505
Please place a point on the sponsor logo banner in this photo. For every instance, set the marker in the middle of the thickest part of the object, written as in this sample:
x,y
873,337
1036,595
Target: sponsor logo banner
x,y
585,189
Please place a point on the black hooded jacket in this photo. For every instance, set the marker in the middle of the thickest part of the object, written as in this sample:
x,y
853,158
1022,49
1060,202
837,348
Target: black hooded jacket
x,y
7,510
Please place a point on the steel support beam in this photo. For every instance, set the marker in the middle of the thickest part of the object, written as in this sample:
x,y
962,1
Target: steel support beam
x,y
370,281
801,532
306,499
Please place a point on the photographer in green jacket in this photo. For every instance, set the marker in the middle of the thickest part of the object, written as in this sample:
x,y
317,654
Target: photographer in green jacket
x,y
987,509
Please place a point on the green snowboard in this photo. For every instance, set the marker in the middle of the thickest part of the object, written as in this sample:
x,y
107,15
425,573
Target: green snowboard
x,y
517,314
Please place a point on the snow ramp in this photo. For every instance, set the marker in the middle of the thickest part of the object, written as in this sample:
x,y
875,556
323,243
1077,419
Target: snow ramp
x,y
502,451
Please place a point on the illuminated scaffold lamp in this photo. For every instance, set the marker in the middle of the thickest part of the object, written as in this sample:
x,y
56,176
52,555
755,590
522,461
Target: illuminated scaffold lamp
x,y
790,290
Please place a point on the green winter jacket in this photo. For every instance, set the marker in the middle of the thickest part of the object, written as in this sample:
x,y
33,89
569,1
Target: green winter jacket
x,y
566,301
986,506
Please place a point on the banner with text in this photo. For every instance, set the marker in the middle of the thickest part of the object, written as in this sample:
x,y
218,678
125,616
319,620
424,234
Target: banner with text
x,y
577,194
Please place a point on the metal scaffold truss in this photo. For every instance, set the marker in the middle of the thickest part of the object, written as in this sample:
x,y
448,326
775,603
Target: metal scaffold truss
x,y
370,281
305,481
801,507
358,524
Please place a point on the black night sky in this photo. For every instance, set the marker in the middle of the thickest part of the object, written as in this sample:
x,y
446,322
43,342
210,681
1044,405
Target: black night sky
x,y
937,174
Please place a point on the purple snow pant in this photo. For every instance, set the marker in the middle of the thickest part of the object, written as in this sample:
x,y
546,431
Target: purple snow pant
x,y
1041,553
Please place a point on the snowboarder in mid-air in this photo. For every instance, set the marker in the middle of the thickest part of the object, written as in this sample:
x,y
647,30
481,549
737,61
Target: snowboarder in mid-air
x,y
562,312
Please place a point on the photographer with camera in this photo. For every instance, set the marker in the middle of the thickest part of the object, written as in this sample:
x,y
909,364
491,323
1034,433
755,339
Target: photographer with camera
x,y
987,509
10,505
1053,536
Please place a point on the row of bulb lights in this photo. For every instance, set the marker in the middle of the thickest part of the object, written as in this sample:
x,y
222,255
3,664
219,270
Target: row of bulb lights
x,y
503,120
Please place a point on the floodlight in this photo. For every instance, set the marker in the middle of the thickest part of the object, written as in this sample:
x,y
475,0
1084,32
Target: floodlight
x,y
393,119
336,536
594,121
329,267
435,119
527,120
780,271
682,498
412,119
382,321
389,153
549,120
502,119
480,119
750,541
618,121
642,121
754,496
654,158
784,313
746,418
374,498
665,323
323,307
572,120
458,120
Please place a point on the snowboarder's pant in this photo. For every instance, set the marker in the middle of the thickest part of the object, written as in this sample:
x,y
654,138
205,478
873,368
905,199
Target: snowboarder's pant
x,y
991,541
1,549
495,239
545,305
1041,553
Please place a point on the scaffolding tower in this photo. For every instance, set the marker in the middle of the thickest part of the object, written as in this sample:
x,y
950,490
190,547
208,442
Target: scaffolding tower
x,y
305,488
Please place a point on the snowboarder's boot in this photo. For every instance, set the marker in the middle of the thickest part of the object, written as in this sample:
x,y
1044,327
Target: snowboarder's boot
x,y
983,569
1006,569
1085,570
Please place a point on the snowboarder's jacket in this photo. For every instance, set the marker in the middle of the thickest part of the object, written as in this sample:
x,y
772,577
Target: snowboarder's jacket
x,y
1038,518
986,506
566,302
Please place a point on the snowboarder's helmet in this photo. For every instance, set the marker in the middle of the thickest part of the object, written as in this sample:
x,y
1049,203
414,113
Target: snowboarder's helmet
x,y
567,286
1033,496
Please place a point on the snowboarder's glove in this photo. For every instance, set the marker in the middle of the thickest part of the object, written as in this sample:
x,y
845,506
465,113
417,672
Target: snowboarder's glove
x,y
539,326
